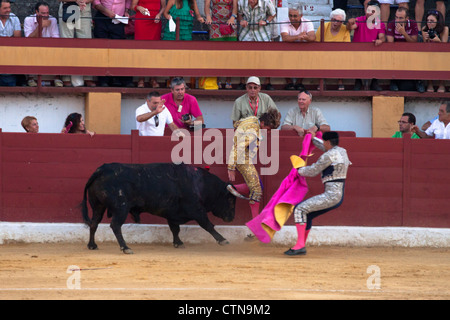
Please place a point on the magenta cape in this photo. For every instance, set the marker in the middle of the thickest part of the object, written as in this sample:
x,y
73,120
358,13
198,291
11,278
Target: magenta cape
x,y
291,192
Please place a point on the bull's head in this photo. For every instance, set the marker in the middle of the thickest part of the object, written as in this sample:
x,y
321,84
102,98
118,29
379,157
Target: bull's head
x,y
224,206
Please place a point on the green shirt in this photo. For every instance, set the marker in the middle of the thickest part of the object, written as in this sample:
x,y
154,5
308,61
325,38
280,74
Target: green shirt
x,y
398,134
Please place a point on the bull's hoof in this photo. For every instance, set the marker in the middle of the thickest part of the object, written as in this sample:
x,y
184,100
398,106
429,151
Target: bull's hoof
x,y
179,245
92,247
127,251
223,242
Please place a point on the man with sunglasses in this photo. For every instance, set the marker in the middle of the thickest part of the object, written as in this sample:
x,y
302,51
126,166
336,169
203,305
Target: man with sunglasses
x,y
152,116
253,103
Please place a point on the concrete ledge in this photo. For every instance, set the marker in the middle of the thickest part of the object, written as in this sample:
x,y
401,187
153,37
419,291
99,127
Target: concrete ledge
x,y
141,233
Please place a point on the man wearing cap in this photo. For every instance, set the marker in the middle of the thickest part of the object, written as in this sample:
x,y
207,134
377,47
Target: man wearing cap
x,y
333,166
253,103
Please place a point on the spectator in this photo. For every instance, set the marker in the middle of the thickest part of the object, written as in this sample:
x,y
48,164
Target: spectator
x,y
49,30
440,128
435,30
182,106
75,19
30,124
221,17
385,7
108,27
402,29
254,18
304,118
419,10
335,31
368,28
185,10
75,124
148,26
405,124
253,103
296,29
10,24
153,116
9,27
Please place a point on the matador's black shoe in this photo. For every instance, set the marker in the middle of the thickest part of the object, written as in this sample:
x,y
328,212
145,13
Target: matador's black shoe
x,y
299,252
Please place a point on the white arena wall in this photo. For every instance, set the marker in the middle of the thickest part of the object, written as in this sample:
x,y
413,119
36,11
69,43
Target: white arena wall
x,y
24,232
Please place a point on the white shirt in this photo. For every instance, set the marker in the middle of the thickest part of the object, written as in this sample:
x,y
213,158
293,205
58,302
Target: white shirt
x,y
12,24
439,130
149,128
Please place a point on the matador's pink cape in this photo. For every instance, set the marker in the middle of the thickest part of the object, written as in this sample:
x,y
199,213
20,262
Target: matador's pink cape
x,y
291,192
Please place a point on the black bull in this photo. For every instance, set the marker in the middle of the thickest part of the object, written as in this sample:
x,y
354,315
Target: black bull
x,y
179,193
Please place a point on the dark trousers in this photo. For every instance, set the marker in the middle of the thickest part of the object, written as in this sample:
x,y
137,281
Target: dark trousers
x,y
315,214
7,80
104,28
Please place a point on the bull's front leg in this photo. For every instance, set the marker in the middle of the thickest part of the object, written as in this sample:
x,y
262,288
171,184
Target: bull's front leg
x,y
208,226
175,228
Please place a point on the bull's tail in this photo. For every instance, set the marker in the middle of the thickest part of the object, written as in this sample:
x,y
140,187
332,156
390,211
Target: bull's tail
x,y
84,208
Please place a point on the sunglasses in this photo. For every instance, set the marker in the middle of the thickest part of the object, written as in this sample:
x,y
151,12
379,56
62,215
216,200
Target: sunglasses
x,y
156,120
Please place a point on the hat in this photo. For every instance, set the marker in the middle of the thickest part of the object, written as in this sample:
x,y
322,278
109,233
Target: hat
x,y
254,80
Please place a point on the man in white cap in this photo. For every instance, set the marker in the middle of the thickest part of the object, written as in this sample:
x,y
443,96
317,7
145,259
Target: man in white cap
x,y
253,103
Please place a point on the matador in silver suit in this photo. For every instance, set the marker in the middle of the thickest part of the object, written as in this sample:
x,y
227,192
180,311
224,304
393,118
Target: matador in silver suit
x,y
333,165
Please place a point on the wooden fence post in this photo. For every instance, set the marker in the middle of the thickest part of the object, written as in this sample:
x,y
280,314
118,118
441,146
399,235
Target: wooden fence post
x,y
406,180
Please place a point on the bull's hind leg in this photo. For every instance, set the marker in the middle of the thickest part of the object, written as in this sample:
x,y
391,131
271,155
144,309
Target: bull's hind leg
x,y
118,219
96,219
175,228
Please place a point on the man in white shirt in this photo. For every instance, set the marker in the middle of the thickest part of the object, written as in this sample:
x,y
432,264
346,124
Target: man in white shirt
x,y
152,116
440,128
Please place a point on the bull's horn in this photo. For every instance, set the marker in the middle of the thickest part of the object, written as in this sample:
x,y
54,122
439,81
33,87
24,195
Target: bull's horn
x,y
234,192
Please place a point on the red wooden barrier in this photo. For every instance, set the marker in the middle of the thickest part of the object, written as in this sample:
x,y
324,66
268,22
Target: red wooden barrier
x,y
392,182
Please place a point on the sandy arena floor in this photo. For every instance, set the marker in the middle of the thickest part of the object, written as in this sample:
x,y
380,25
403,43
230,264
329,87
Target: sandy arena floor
x,y
208,271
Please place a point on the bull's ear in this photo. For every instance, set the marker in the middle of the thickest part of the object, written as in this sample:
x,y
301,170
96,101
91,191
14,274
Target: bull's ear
x,y
234,192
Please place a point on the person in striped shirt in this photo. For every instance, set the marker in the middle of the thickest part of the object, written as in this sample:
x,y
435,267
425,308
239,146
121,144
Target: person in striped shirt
x,y
255,17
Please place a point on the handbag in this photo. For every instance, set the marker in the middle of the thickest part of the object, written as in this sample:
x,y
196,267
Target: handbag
x,y
66,12
208,83
225,29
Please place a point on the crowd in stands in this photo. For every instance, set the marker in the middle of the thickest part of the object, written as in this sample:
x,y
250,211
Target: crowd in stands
x,y
179,110
228,20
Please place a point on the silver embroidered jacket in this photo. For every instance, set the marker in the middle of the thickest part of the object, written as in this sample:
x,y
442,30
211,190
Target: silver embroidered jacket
x,y
333,164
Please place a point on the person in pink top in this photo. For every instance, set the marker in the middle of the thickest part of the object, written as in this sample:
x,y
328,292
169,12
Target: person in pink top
x,y
296,29
182,106
107,26
368,28
49,23
49,30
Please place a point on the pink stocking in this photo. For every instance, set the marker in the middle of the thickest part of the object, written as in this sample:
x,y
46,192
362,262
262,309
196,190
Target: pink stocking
x,y
254,207
301,231
242,188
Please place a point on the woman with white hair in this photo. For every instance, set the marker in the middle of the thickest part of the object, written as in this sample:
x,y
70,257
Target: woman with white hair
x,y
335,31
